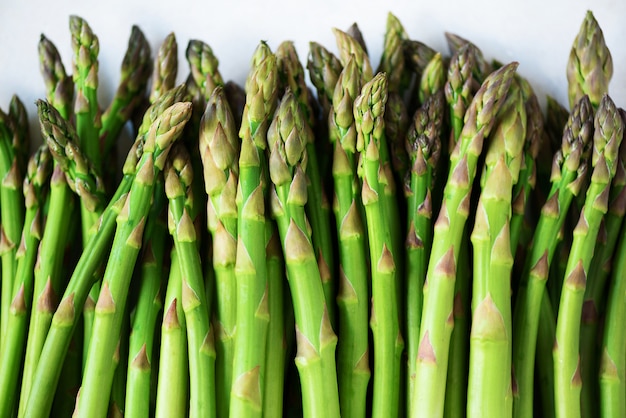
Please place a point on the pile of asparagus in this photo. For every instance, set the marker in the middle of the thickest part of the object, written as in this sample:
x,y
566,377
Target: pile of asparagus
x,y
417,241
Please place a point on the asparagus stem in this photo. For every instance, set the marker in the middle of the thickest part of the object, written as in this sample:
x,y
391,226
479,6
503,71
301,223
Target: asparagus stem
x,y
251,270
459,86
12,219
276,339
85,48
98,375
135,72
568,174
203,65
316,339
173,380
219,149
318,207
350,47
324,69
165,68
179,176
14,341
489,382
423,144
353,371
433,78
149,304
613,361
369,107
59,86
483,68
436,328
608,134
392,59
590,66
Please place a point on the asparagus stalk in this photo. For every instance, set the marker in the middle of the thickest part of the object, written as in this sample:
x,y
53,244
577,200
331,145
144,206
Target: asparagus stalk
x,y
356,33
250,269
14,341
324,69
18,119
203,66
149,304
613,360
568,175
219,149
165,68
85,48
590,66
608,134
433,78
599,271
179,176
59,86
396,125
348,46
98,375
315,358
392,59
174,355
489,382
48,275
11,217
353,371
423,143
136,67
318,207
435,328
369,107
459,87
483,68
276,333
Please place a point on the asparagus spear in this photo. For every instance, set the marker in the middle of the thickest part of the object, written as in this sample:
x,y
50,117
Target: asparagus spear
x,y
219,149
18,119
165,68
483,68
590,66
317,208
12,219
324,69
416,56
35,183
599,271
353,371
135,71
174,354
203,66
369,107
236,98
276,357
48,275
149,304
392,59
613,360
423,143
608,134
85,48
348,46
568,175
179,176
433,78
489,382
435,329
459,86
356,33
251,270
315,358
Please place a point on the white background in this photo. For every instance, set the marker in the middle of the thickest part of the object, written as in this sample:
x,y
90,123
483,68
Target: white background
x,y
538,34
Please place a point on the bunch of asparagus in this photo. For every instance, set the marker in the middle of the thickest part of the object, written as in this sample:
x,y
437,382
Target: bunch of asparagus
x,y
420,240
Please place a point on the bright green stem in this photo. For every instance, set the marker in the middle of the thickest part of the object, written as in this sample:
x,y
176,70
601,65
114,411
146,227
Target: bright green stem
x,y
48,276
546,334
65,318
276,341
173,360
456,400
613,360
143,321
353,371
